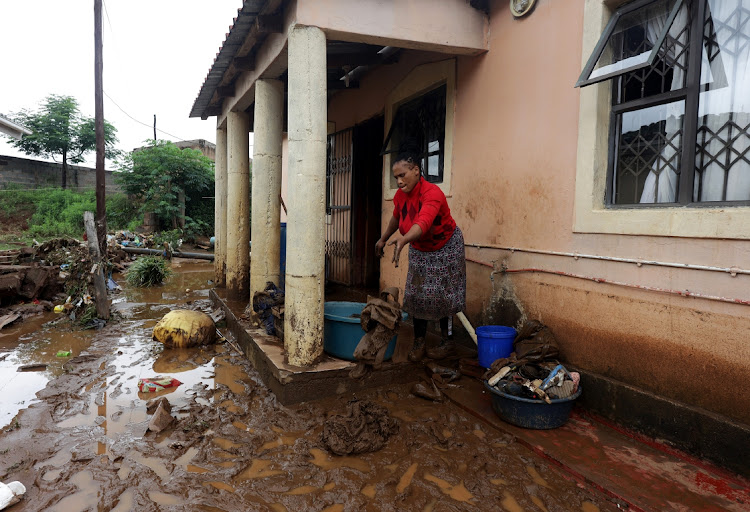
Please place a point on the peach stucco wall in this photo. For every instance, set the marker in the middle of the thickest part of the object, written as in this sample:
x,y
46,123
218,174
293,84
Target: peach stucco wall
x,y
513,185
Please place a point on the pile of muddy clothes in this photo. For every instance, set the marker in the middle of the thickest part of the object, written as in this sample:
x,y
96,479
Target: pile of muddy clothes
x,y
532,370
380,319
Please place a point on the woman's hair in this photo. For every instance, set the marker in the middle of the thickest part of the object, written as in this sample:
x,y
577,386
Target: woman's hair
x,y
409,154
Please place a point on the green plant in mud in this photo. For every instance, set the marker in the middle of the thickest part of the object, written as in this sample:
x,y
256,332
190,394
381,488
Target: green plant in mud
x,y
172,237
148,271
87,315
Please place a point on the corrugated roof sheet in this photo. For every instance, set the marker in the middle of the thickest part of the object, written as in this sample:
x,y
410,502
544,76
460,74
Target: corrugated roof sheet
x,y
233,41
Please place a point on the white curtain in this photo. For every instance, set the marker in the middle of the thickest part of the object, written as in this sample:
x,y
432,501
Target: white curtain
x,y
725,100
661,183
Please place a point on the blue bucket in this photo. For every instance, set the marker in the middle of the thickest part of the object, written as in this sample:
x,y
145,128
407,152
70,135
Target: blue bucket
x,y
494,342
342,330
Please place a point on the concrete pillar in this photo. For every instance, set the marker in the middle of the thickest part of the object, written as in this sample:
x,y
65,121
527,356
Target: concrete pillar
x,y
305,264
220,209
265,227
238,206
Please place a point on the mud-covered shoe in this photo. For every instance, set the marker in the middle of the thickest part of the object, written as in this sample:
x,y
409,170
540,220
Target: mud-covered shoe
x,y
444,349
416,353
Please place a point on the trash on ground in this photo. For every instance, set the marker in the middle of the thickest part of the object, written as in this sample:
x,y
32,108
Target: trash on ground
x,y
423,390
366,427
64,353
11,493
441,374
34,367
162,414
8,319
263,302
157,384
183,328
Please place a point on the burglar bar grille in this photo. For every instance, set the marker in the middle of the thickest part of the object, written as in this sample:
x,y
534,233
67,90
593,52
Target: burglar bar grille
x,y
339,254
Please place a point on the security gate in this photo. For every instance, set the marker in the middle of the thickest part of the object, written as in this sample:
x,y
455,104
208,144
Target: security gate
x,y
339,254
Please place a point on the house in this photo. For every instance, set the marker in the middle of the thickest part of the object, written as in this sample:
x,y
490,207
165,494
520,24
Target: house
x,y
12,129
595,155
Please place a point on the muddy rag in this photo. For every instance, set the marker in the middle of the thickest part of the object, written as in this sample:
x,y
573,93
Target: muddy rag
x,y
366,427
264,301
380,320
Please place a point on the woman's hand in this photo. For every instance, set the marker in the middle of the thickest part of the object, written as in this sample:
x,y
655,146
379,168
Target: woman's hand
x,y
399,242
379,245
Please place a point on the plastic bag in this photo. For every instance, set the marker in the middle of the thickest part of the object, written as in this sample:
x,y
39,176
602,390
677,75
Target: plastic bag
x,y
157,384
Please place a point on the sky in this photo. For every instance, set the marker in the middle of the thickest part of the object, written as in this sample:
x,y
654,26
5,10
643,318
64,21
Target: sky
x,y
156,55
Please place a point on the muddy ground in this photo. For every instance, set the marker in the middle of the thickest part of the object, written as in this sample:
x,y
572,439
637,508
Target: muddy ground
x,y
81,443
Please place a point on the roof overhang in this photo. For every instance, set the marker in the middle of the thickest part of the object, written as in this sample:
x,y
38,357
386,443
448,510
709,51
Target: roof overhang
x,y
12,129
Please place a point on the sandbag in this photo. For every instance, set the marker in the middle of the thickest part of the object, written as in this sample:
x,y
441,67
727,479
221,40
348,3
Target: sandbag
x,y
184,328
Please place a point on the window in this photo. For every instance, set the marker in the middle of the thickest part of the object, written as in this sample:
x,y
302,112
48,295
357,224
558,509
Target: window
x,y
421,109
679,129
421,122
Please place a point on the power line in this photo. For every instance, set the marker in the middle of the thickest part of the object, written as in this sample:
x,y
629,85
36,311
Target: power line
x,y
140,122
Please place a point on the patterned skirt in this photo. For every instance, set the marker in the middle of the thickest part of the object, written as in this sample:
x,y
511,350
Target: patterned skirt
x,y
436,282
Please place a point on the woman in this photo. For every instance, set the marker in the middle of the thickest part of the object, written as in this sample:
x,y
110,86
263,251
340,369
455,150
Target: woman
x,y
436,281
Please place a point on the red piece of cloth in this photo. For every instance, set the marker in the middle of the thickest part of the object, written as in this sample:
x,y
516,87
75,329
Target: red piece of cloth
x,y
426,206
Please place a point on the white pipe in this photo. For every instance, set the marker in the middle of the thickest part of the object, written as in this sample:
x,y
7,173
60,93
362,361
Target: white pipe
x,y
467,326
733,271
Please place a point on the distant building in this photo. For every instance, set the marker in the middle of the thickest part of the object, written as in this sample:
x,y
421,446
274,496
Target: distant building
x,y
17,131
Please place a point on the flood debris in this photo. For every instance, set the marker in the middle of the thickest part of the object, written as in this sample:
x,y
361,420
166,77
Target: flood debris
x,y
532,370
380,319
161,411
11,493
159,383
427,391
364,428
262,305
33,367
184,328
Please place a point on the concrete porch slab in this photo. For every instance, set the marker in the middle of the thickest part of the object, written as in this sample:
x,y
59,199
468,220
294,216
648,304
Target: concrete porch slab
x,y
293,384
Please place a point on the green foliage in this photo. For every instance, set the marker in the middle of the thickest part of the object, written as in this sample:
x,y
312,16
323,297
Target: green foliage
x,y
172,237
59,130
122,212
148,271
156,175
59,212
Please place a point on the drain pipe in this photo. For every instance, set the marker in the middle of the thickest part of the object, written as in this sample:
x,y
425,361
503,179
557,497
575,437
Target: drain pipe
x,y
160,252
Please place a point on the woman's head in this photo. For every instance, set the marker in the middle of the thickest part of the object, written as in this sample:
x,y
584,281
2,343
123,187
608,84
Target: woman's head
x,y
406,170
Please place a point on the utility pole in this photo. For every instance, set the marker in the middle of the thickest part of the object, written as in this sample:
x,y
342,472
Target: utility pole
x,y
101,216
154,127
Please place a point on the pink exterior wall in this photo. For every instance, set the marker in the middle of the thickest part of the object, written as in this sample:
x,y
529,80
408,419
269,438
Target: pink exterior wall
x,y
513,184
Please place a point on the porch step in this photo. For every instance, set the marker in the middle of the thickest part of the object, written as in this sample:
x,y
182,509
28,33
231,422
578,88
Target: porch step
x,y
293,384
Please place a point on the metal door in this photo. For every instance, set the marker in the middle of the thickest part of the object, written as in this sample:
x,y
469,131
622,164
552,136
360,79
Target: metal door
x,y
339,255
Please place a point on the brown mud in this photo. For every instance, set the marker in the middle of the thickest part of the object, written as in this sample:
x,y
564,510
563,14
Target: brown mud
x,y
82,444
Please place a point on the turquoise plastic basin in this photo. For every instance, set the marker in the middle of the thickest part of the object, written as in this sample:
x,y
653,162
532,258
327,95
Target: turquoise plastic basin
x,y
342,330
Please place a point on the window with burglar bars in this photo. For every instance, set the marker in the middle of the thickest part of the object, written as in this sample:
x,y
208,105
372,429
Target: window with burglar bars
x,y
419,124
680,119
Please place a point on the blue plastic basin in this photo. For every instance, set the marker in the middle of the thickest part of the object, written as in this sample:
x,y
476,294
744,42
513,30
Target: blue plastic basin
x,y
342,330
529,413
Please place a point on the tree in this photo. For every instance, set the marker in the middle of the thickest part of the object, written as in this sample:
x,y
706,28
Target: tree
x,y
163,177
61,131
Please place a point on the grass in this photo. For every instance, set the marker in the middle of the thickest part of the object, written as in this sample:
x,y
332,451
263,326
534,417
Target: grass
x,y
57,212
148,271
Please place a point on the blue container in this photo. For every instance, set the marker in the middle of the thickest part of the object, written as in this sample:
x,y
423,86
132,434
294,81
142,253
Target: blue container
x,y
530,413
494,342
343,330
